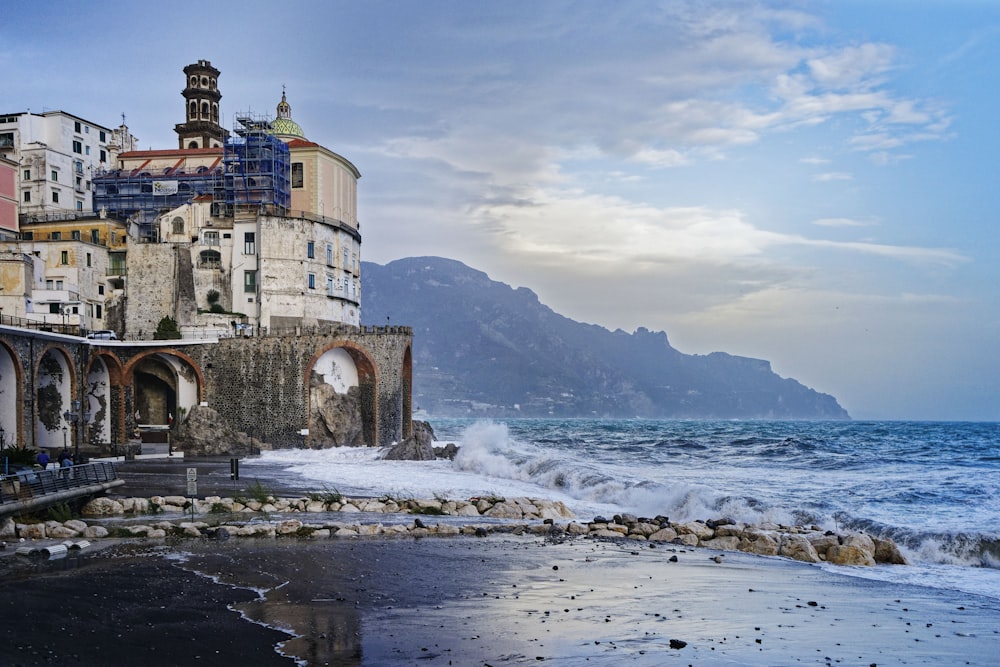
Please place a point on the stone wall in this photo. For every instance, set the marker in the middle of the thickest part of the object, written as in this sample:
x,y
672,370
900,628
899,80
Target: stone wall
x,y
259,386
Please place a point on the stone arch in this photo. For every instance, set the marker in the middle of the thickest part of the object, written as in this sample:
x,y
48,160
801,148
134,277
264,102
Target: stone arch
x,y
55,382
103,398
11,400
347,367
407,388
163,382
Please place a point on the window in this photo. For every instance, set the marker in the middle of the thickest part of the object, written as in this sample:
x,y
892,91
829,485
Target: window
x,y
54,309
209,259
64,257
312,281
329,285
98,311
55,176
27,174
7,140
55,236
311,249
210,238
28,236
76,126
347,259
329,255
100,289
297,175
77,146
177,225
75,234
104,155
104,137
78,166
95,236
88,259
87,150
249,243
249,281
27,196
79,183
55,196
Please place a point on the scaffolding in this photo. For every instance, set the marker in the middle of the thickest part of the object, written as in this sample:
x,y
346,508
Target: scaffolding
x,y
141,196
253,173
257,168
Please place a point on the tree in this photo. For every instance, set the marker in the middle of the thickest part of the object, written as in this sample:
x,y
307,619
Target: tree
x,y
167,329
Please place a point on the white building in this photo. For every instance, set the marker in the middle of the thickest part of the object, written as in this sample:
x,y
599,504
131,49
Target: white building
x,y
57,154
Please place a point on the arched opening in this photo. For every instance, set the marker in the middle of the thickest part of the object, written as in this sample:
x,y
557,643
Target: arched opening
x,y
10,399
54,391
342,399
165,385
407,382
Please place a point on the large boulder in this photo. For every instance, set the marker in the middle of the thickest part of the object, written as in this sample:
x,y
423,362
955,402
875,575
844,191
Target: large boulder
x,y
418,447
336,418
203,433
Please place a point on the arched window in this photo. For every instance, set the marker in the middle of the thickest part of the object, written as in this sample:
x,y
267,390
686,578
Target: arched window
x,y
193,144
215,112
194,81
177,225
209,259
193,111
204,109
204,82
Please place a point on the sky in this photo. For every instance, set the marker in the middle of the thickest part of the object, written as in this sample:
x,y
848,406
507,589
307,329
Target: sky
x,y
811,183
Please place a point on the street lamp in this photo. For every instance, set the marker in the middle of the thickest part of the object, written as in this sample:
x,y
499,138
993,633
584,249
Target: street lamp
x,y
75,416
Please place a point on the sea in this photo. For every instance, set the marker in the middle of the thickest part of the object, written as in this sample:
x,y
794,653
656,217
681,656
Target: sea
x,y
933,487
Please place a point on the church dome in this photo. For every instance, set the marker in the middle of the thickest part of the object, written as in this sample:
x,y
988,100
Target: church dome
x,y
283,126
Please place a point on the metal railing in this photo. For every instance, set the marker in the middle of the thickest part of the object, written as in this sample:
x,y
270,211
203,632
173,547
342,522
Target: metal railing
x,y
35,483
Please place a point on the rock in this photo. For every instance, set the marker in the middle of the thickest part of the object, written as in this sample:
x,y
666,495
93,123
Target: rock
x,y
696,528
846,554
663,535
757,542
336,418
8,527
677,644
449,451
102,507
505,510
797,547
418,447
886,551
821,543
95,531
728,543
203,433
31,531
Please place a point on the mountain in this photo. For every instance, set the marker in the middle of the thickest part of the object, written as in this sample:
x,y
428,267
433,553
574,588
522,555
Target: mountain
x,y
482,348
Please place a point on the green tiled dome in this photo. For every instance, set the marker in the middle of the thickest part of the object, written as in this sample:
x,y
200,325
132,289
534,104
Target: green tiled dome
x,y
283,126
286,127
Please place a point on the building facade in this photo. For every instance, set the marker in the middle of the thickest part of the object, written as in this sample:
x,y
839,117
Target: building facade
x,y
57,155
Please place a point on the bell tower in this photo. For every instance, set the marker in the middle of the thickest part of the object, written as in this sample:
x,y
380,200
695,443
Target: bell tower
x,y
201,108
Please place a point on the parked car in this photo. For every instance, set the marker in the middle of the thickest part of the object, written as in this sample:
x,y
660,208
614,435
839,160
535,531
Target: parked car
x,y
104,334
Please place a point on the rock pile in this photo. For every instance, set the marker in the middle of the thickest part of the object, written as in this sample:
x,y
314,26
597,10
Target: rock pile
x,y
241,517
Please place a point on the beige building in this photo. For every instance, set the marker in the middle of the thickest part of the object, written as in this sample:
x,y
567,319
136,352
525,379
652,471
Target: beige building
x,y
67,274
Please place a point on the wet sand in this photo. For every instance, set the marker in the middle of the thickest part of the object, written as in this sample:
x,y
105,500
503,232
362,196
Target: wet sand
x,y
498,600
473,601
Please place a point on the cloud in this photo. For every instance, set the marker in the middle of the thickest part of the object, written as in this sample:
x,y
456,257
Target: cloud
x,y
842,222
833,176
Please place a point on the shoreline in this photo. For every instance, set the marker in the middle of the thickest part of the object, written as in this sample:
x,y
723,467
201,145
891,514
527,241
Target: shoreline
x,y
475,601
491,599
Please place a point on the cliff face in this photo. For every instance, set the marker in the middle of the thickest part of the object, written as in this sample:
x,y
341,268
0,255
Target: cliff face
x,y
482,348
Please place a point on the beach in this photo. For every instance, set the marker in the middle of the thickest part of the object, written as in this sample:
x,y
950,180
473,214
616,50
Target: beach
x,y
493,600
